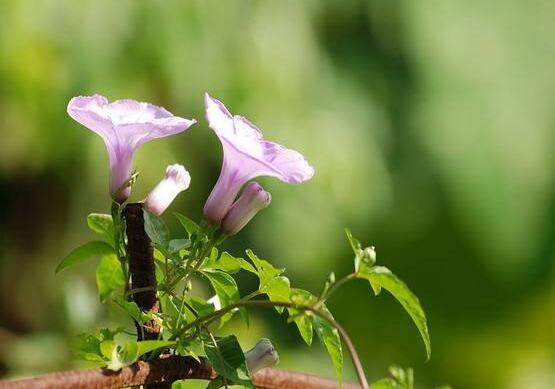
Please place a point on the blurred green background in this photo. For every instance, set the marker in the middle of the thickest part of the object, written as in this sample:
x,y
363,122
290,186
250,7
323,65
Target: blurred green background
x,y
430,124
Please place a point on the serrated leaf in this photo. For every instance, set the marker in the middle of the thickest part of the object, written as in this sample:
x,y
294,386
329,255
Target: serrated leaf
x,y
329,337
102,224
109,276
228,359
86,251
190,226
156,229
381,277
265,270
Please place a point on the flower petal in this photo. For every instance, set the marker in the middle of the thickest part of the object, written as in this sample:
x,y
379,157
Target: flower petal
x,y
137,123
219,118
89,111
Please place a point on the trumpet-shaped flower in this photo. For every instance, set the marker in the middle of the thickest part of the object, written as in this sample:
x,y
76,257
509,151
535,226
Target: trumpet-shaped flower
x,y
247,155
176,180
253,199
124,125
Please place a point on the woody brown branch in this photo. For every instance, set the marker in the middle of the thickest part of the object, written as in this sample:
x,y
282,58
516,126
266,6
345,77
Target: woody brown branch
x,y
141,268
143,275
165,371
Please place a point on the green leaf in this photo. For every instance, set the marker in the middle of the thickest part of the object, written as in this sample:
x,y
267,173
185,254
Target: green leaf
x,y
213,255
197,307
200,305
224,285
228,359
123,356
278,290
94,358
381,277
146,346
88,250
190,226
329,337
265,270
386,383
303,323
176,245
226,289
156,229
302,319
132,309
404,376
97,349
402,379
355,244
102,224
88,348
302,297
107,348
109,276
226,262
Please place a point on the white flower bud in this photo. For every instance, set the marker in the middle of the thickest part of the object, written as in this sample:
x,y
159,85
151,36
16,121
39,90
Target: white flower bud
x,y
262,355
177,180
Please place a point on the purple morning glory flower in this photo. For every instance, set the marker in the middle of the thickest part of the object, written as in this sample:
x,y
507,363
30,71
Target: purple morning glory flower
x,y
124,125
246,155
253,199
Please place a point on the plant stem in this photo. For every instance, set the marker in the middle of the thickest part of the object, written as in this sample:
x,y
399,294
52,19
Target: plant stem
x,y
121,252
141,267
334,288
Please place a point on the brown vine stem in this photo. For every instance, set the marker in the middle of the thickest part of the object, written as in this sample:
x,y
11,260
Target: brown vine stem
x,y
165,370
141,268
143,276
263,303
